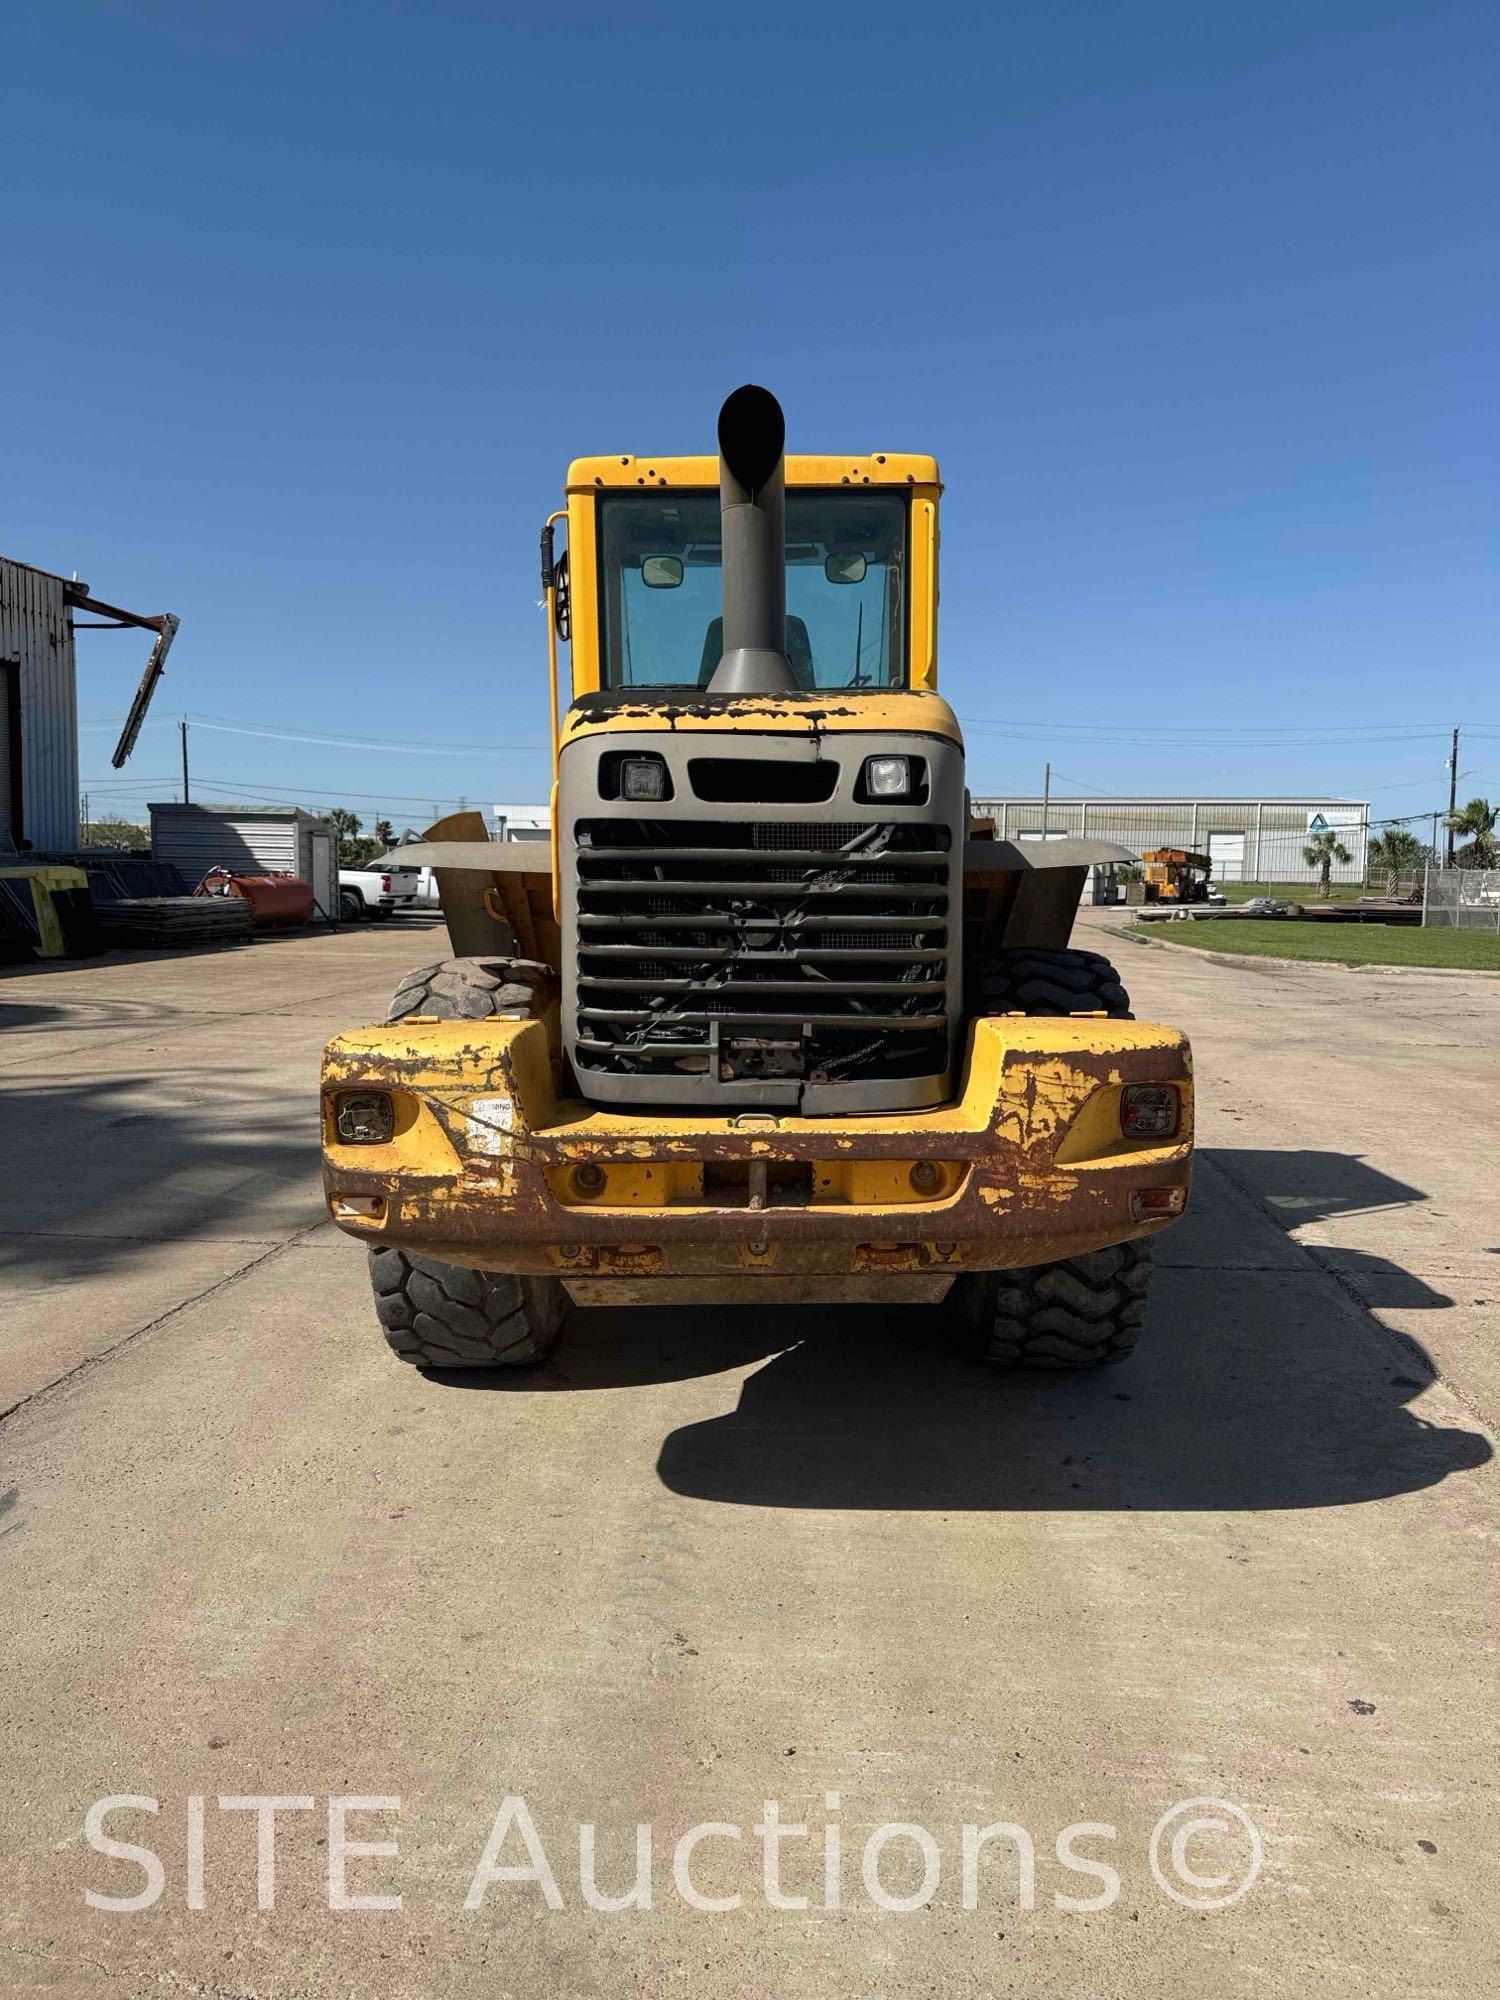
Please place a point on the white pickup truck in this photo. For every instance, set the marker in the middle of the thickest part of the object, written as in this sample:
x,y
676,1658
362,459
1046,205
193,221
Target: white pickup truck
x,y
375,893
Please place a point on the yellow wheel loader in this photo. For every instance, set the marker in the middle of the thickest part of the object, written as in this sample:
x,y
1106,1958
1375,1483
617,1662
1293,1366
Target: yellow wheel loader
x,y
775,1022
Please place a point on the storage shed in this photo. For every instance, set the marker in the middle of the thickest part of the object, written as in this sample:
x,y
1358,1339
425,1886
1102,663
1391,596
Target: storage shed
x,y
252,840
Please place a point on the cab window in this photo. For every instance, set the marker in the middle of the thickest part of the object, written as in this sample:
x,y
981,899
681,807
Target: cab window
x,y
661,622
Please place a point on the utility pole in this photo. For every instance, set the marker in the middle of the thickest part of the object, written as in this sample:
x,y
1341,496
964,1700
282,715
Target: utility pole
x,y
1046,798
183,727
1452,795
84,816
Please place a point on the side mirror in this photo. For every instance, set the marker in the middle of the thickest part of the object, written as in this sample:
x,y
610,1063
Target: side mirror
x,y
849,568
661,572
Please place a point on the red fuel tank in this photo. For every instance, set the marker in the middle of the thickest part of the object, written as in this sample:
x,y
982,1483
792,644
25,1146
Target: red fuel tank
x,y
277,902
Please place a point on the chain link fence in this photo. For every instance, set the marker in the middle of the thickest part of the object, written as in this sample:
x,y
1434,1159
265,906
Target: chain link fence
x,y
1466,899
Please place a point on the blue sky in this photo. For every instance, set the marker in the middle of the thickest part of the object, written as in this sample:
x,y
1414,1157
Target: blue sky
x,y
1195,304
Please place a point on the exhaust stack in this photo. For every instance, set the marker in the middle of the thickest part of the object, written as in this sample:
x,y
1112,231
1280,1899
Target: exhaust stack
x,y
752,510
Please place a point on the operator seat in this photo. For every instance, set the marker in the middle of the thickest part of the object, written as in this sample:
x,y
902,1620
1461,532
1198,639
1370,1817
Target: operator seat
x,y
798,651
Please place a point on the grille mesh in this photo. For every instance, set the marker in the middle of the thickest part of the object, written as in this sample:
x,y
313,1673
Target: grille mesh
x,y
743,948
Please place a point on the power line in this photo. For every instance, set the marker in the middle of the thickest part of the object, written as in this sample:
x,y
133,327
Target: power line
x,y
250,789
1239,739
239,788
1092,791
1253,728
1252,733
318,739
407,748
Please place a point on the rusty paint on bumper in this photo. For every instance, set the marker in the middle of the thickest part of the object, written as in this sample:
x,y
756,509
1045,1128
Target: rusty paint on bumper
x,y
482,1166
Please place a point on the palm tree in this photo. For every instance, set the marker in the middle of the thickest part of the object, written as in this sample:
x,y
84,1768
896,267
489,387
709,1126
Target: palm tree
x,y
346,825
1399,852
1321,851
1477,820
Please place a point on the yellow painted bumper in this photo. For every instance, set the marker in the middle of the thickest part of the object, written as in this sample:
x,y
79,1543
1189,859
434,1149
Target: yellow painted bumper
x,y
488,1166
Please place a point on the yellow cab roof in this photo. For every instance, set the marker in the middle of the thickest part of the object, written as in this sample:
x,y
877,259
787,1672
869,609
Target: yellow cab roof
x,y
877,468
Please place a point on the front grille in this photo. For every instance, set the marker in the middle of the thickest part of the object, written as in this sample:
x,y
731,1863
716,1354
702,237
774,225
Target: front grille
x,y
750,949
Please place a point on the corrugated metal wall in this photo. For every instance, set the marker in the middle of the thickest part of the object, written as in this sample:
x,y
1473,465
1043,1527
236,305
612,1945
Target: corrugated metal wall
x,y
295,842
195,839
9,829
1274,831
36,631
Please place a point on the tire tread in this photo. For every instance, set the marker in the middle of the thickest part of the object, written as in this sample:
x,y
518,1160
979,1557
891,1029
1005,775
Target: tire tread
x,y
474,989
1082,1312
437,1315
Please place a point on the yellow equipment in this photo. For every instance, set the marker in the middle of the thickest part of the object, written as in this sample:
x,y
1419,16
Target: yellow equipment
x,y
60,910
774,1022
1176,875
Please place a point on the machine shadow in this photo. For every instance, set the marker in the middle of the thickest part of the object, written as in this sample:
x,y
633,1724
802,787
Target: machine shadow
x,y
1262,1383
1262,1397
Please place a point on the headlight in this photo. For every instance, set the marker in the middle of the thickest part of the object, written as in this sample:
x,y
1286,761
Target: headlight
x,y
643,778
364,1117
888,777
1148,1111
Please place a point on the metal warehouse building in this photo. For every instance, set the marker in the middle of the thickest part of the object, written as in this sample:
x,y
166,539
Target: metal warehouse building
x,y
1248,840
39,701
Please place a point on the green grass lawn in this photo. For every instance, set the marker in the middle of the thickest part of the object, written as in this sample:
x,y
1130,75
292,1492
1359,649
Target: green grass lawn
x,y
1300,892
1334,944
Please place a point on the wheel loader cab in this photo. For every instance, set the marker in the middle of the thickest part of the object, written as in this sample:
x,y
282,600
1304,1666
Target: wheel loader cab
x,y
645,573
660,615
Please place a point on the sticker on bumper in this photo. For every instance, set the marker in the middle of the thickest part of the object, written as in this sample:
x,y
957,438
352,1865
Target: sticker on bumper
x,y
489,1123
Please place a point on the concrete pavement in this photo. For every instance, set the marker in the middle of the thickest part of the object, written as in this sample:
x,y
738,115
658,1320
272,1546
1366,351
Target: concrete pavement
x,y
702,1562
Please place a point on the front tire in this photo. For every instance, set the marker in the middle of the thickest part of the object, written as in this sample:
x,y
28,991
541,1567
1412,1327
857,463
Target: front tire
x,y
474,989
1082,1312
1030,980
437,1315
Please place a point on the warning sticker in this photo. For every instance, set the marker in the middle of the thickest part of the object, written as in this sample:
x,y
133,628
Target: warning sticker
x,y
489,1123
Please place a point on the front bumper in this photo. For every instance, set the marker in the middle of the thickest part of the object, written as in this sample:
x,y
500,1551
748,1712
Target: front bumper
x,y
488,1167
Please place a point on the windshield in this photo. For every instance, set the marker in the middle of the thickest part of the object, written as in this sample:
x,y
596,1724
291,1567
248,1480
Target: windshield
x,y
661,593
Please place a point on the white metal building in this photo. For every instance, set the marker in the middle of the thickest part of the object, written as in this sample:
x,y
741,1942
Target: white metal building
x,y
38,711
253,840
522,822
39,700
1248,840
